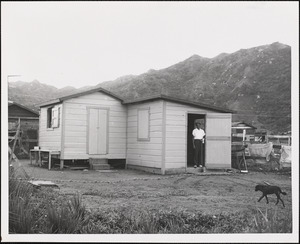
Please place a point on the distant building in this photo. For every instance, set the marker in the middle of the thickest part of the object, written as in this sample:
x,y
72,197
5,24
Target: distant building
x,y
29,128
241,131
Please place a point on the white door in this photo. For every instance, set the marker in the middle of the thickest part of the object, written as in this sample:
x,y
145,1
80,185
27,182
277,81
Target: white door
x,y
218,140
97,131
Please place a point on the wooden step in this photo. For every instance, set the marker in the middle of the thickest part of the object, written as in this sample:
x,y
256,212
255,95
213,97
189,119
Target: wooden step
x,y
98,160
99,163
100,166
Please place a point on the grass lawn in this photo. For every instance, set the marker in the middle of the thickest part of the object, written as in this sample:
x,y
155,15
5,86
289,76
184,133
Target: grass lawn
x,y
165,203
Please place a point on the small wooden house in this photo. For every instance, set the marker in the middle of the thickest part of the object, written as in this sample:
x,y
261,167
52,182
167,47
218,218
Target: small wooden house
x,y
29,127
152,134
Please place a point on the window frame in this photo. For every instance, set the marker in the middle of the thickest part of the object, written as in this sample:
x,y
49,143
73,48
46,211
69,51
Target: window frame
x,y
51,117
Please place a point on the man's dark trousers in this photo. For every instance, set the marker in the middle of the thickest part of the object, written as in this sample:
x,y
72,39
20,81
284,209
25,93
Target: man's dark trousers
x,y
198,152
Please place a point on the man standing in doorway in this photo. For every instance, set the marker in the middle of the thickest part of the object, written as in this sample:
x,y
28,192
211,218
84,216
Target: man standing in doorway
x,y
198,140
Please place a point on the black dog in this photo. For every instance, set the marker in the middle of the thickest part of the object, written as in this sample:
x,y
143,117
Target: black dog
x,y
267,190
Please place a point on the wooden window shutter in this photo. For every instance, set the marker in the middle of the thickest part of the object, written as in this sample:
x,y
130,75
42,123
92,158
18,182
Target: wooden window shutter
x,y
55,117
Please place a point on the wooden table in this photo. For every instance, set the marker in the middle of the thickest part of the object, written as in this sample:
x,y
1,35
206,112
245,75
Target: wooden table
x,y
38,156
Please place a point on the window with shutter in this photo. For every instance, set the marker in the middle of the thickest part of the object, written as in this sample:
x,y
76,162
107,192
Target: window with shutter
x,y
49,117
55,117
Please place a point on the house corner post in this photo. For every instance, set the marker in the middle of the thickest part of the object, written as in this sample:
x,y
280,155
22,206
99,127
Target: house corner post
x,y
163,148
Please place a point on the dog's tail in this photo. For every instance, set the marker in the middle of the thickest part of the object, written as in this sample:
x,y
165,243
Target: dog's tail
x,y
284,193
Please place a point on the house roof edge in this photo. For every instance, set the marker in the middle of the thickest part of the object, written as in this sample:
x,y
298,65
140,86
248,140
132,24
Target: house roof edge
x,y
182,101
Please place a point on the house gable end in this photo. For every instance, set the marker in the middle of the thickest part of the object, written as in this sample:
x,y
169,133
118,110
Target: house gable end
x,y
61,99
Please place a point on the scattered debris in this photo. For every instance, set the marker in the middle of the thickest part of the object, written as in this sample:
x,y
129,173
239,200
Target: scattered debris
x,y
262,170
39,183
106,171
78,168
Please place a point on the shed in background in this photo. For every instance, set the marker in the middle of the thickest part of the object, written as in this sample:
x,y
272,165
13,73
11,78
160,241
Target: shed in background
x,y
242,131
29,127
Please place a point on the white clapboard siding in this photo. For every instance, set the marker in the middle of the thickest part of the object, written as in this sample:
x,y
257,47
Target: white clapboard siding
x,y
132,121
132,129
171,147
155,122
75,133
146,153
116,136
144,146
175,134
133,140
143,163
78,117
75,108
178,165
76,125
177,153
75,122
49,138
132,124
149,152
172,128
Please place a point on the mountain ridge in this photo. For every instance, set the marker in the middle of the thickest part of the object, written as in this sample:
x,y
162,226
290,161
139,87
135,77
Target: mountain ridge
x,y
256,82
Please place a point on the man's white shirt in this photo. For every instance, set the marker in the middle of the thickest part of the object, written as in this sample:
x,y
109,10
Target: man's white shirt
x,y
198,134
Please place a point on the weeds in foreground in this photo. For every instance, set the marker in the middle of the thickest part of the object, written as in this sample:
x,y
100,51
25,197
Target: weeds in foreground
x,y
35,211
69,218
28,214
20,207
162,221
38,211
272,222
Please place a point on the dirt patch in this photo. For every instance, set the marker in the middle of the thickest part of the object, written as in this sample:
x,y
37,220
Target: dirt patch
x,y
128,189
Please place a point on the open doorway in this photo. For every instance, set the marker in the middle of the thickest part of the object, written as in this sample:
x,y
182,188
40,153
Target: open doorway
x,y
191,126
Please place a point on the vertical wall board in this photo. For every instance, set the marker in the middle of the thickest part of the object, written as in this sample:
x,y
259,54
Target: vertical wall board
x,y
218,140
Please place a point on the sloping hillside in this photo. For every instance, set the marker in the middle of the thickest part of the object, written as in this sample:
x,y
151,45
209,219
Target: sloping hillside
x,y
31,94
255,82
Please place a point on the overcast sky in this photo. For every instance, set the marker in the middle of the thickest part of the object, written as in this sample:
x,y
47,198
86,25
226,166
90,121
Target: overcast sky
x,y
85,43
